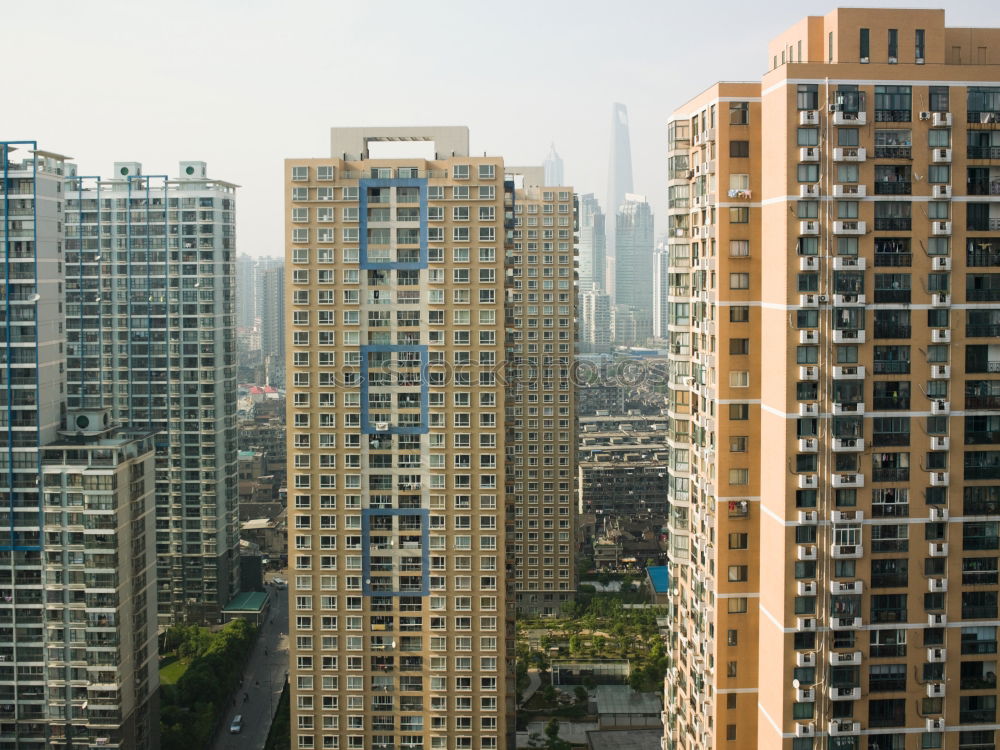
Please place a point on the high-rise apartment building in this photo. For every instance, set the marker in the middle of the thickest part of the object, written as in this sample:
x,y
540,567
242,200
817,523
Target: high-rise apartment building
x,y
395,281
838,590
150,334
77,612
98,685
541,397
634,269
592,244
595,321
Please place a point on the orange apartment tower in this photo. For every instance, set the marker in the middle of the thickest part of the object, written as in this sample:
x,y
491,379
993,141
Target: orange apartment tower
x,y
835,392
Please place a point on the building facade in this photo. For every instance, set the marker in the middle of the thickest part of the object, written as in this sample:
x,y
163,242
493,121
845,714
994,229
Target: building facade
x,y
840,214
150,333
619,178
553,167
542,395
397,446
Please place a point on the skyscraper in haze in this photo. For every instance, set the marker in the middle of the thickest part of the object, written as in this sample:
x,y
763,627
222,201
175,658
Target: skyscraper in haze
x,y
661,276
593,238
553,167
634,264
619,176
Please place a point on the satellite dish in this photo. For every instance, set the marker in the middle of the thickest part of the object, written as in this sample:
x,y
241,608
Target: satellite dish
x,y
795,684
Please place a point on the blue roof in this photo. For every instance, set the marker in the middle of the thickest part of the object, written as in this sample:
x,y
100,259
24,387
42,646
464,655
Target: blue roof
x,y
659,577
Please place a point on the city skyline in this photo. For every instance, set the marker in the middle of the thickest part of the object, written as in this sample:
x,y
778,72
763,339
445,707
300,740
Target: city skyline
x,y
251,114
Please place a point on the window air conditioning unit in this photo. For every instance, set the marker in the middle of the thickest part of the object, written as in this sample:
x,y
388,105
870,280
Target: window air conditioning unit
x,y
925,115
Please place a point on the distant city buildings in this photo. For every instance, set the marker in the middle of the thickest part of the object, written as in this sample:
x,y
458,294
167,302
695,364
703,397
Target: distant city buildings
x,y
271,303
150,313
661,291
553,167
633,271
619,171
592,245
595,322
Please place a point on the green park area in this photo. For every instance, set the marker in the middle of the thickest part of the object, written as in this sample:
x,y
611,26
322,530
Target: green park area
x,y
199,670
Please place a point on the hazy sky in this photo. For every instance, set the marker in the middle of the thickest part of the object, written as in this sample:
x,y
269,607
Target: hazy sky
x,y
243,85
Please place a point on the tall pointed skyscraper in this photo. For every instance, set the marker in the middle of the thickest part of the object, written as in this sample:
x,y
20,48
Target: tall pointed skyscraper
x,y
553,166
619,176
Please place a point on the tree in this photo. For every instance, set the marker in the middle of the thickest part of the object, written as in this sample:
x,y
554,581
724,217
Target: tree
x,y
581,693
552,741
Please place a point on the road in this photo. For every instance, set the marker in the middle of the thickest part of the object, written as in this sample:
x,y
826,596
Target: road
x,y
263,680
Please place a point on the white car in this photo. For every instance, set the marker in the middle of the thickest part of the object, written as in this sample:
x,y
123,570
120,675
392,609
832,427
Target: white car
x,y
279,583
237,726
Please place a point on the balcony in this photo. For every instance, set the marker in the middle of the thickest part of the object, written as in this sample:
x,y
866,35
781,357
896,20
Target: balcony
x,y
940,442
851,191
941,264
979,152
806,552
848,263
856,372
939,479
940,407
809,337
845,693
850,118
809,228
806,588
809,263
809,410
941,335
846,587
805,659
941,228
940,299
808,445
809,191
894,151
937,585
847,516
844,658
805,695
937,549
809,154
805,729
937,655
809,517
935,690
808,481
849,227
848,445
808,372
856,408
940,119
849,154
845,300
893,223
893,187
810,300
941,192
846,551
805,624
843,727
848,336
808,117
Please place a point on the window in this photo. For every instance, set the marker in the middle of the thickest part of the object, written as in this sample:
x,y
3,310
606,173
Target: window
x,y
739,314
739,346
739,540
893,45
807,96
739,476
739,215
739,248
739,281
736,605
739,113
739,149
737,574
808,172
864,51
808,136
738,444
